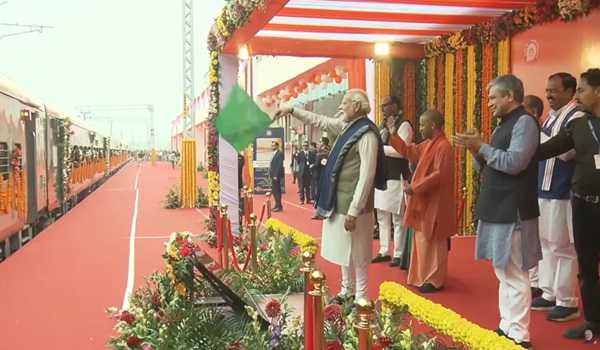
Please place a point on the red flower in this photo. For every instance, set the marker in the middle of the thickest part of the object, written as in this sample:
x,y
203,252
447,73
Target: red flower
x,y
385,341
234,346
186,250
133,341
334,345
333,312
273,308
127,317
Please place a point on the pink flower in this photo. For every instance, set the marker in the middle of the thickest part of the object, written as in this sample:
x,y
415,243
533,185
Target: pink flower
x,y
273,308
147,347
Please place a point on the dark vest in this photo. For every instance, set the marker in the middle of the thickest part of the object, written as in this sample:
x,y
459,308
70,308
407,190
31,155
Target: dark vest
x,y
505,198
396,168
562,172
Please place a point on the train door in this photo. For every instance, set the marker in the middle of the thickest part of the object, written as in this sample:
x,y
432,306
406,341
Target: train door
x,y
30,163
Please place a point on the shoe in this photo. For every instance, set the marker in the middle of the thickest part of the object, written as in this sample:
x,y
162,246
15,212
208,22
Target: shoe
x,y
396,262
276,209
523,344
381,258
541,304
586,331
318,217
536,292
500,332
562,313
429,288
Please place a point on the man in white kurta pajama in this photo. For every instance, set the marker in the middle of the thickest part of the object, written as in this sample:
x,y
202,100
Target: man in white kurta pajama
x,y
558,267
353,168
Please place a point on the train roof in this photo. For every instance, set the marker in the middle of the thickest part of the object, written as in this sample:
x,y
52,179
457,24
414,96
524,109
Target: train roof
x,y
11,89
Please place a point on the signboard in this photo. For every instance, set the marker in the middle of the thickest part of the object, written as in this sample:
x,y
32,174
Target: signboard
x,y
263,153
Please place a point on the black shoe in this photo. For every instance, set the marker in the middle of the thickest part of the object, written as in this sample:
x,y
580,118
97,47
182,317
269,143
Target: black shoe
x,y
587,331
541,304
536,292
277,209
381,258
396,262
500,332
429,288
562,313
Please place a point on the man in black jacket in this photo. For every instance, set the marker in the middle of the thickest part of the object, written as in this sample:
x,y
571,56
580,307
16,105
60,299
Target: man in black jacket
x,y
277,175
583,135
305,159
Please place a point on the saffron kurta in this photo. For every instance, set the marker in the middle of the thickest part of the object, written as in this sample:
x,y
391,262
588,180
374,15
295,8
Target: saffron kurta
x,y
431,209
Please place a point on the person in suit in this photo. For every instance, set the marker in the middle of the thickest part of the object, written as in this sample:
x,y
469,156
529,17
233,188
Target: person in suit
x,y
305,158
277,175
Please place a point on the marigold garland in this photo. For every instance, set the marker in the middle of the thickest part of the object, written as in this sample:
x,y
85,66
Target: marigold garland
x,y
431,83
509,24
440,72
486,77
410,92
444,320
470,124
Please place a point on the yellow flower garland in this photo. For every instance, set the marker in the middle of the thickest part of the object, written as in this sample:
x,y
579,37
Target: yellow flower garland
x,y
304,241
431,82
449,98
213,188
444,320
471,93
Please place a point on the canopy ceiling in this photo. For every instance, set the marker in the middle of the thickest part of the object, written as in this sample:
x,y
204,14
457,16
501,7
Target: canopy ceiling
x,y
349,28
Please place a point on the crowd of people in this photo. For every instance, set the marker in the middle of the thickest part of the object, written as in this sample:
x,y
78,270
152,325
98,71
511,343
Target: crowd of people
x,y
538,198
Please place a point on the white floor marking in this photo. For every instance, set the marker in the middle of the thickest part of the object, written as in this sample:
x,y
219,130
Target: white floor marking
x,y
131,270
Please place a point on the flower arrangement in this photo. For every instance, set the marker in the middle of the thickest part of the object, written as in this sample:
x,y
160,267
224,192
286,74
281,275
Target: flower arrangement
x,y
510,24
304,241
173,199
63,142
213,188
443,320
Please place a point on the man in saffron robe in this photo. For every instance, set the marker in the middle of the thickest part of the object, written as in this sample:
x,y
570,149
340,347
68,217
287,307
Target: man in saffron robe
x,y
431,202
354,167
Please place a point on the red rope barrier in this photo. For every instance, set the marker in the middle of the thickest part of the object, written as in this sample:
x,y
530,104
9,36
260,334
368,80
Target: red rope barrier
x,y
262,213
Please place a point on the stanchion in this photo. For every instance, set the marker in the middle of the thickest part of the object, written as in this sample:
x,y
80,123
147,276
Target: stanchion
x,y
318,281
250,203
307,267
363,324
253,243
245,201
225,230
268,205
219,232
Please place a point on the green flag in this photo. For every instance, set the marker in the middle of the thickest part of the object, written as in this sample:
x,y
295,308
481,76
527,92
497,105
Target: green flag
x,y
241,120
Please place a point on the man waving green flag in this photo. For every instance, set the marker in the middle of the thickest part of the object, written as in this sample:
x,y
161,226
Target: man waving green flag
x,y
241,120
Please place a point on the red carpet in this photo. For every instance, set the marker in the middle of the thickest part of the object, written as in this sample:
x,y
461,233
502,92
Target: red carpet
x,y
54,291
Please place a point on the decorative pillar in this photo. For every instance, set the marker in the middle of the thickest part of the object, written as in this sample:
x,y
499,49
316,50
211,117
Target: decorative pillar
x,y
225,230
308,259
189,191
363,324
253,242
318,281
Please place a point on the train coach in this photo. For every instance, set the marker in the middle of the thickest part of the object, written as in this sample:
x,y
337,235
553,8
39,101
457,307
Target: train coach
x,y
48,163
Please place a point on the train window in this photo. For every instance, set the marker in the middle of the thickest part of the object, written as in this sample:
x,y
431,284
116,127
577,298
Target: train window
x,y
4,160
